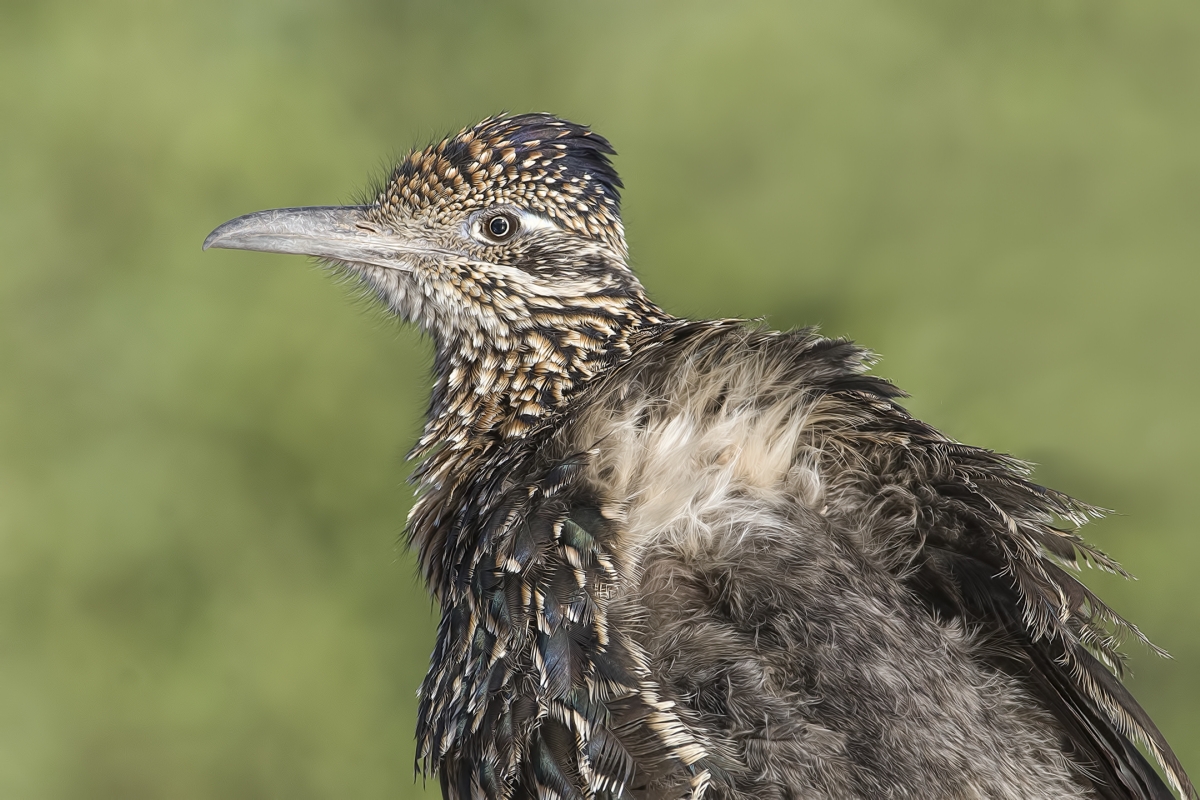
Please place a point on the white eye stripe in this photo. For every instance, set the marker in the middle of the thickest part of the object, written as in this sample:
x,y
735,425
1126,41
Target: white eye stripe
x,y
533,222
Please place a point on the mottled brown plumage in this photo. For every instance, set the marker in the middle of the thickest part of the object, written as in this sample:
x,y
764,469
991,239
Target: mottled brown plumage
x,y
687,558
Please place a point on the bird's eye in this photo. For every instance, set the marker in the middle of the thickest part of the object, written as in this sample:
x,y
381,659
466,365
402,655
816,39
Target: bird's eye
x,y
501,227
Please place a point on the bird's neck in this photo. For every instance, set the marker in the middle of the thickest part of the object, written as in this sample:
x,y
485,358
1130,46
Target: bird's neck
x,y
493,388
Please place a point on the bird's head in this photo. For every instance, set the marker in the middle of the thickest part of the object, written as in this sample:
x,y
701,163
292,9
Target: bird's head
x,y
508,225
505,243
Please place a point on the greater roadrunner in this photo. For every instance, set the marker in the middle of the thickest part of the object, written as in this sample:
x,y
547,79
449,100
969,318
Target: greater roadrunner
x,y
687,558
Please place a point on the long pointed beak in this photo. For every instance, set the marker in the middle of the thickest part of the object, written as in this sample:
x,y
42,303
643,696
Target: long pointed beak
x,y
339,233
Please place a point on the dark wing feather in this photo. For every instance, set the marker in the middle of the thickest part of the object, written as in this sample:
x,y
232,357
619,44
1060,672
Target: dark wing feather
x,y
988,546
534,692
1117,769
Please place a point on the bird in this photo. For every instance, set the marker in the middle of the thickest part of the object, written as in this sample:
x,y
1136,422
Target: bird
x,y
700,558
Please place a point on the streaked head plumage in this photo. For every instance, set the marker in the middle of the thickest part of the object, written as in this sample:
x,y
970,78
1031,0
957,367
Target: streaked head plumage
x,y
475,232
534,162
504,242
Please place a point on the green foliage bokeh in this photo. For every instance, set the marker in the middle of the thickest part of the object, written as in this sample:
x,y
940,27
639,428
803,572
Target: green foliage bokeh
x,y
202,590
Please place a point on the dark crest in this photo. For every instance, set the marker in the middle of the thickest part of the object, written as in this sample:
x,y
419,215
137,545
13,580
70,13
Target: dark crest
x,y
536,161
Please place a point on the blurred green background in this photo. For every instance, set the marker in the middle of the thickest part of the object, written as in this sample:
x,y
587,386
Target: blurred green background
x,y
202,594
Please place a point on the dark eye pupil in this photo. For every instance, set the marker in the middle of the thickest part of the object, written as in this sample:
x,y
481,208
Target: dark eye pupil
x,y
499,227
